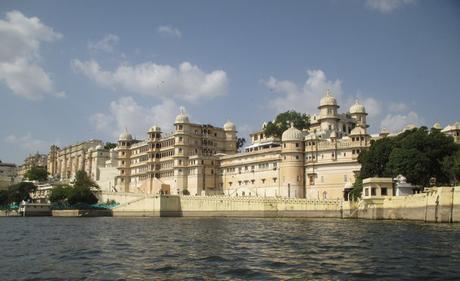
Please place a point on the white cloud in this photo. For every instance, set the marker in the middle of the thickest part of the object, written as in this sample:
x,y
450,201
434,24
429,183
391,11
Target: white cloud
x,y
29,143
386,6
396,122
187,82
305,99
398,107
169,31
106,44
19,56
126,113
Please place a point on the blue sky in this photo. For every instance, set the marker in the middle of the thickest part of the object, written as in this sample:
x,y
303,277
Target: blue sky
x,y
76,70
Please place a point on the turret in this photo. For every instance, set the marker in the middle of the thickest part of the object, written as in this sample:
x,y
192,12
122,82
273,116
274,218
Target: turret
x,y
230,138
358,113
124,142
292,163
181,152
328,116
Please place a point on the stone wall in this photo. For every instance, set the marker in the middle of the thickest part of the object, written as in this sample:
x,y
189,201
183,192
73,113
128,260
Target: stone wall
x,y
438,205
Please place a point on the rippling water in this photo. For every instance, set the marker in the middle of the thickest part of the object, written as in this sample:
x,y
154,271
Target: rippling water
x,y
226,249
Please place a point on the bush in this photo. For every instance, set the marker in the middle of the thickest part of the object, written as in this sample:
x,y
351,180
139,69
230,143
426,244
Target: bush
x,y
81,194
60,193
37,174
20,192
186,192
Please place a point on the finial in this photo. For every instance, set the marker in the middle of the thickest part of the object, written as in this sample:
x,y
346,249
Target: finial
x,y
356,101
292,124
182,110
328,92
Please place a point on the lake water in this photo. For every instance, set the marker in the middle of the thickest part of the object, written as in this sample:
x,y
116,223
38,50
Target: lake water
x,y
226,249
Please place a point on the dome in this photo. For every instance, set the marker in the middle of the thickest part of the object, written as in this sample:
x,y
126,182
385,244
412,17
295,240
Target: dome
x,y
99,147
229,126
358,131
292,134
437,126
409,127
154,129
357,108
125,136
90,149
328,100
333,135
182,117
384,131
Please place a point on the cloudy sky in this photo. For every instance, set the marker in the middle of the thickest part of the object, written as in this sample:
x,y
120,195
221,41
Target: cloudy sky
x,y
76,70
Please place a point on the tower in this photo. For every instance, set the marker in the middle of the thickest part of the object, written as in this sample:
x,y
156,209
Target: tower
x,y
181,152
230,138
124,142
358,113
328,113
292,164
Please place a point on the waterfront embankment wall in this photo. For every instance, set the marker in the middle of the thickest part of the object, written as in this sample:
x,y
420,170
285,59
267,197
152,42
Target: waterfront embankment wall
x,y
222,206
438,205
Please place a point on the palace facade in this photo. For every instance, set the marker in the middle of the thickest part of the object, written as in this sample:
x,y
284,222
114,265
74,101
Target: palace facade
x,y
201,159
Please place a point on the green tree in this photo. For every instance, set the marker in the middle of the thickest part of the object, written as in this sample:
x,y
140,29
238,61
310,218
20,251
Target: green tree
x,y
60,193
83,180
451,167
411,163
81,194
81,191
282,122
20,191
373,161
4,197
36,174
240,143
418,154
110,145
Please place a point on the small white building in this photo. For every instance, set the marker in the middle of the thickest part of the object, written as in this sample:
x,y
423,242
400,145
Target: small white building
x,y
377,187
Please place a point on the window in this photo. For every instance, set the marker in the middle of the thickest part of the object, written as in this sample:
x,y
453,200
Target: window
x,y
373,191
345,178
366,191
384,191
284,145
263,180
296,144
274,179
297,157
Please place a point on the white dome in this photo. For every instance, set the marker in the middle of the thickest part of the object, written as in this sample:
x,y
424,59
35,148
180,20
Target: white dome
x,y
409,127
358,131
437,126
333,135
154,129
357,108
292,134
99,147
182,117
328,99
125,136
384,131
229,126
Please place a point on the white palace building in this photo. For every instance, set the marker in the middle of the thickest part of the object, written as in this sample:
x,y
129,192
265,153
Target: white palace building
x,y
199,159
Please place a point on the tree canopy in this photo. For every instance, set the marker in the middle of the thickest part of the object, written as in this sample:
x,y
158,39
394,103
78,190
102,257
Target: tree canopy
x,y
282,123
80,192
17,192
418,154
240,143
36,174
110,145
